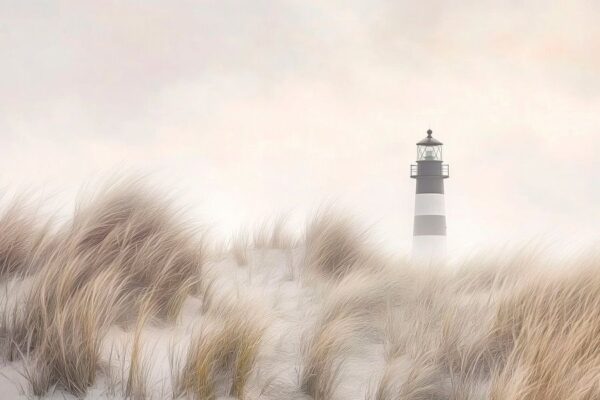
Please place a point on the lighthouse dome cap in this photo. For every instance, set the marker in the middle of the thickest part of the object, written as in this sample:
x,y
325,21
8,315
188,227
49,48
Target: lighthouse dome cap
x,y
429,140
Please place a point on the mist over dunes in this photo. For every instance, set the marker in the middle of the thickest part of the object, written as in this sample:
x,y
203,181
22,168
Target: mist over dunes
x,y
276,105
126,299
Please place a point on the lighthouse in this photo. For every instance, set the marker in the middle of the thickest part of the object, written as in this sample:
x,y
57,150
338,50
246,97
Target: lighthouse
x,y
429,233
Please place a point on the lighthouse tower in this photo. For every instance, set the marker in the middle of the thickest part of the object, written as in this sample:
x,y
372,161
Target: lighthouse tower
x,y
429,235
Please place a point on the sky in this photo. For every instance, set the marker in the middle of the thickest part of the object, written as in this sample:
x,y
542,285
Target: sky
x,y
248,110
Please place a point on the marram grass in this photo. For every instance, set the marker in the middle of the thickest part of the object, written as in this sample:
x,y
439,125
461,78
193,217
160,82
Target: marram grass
x,y
323,316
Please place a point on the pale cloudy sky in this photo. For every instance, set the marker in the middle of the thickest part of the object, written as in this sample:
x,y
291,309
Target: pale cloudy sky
x,y
252,108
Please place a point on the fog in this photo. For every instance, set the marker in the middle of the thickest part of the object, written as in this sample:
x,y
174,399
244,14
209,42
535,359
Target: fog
x,y
247,110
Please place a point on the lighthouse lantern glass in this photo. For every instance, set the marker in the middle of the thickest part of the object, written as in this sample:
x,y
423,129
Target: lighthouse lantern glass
x,y
429,153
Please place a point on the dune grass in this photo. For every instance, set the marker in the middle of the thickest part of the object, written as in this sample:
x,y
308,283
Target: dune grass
x,y
68,346
333,245
221,358
323,318
554,325
23,238
123,247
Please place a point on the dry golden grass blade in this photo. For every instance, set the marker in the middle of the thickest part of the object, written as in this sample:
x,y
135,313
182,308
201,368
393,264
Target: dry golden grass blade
x,y
240,247
223,353
70,344
555,324
136,387
23,239
323,356
333,246
248,338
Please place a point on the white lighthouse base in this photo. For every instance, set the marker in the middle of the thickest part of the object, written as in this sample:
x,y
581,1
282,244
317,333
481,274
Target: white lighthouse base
x,y
429,249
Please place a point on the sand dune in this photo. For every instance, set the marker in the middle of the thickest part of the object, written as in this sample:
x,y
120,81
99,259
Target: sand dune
x,y
126,300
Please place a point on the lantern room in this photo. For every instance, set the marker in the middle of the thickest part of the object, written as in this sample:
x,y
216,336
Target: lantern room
x,y
429,149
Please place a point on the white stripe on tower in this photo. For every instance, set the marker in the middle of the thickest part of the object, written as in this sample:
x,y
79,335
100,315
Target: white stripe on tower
x,y
430,204
429,248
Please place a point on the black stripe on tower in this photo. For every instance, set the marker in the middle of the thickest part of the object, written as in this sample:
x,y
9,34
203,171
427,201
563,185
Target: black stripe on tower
x,y
430,184
430,178
430,225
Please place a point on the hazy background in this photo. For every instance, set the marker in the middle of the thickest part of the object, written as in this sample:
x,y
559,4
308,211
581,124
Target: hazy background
x,y
252,108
